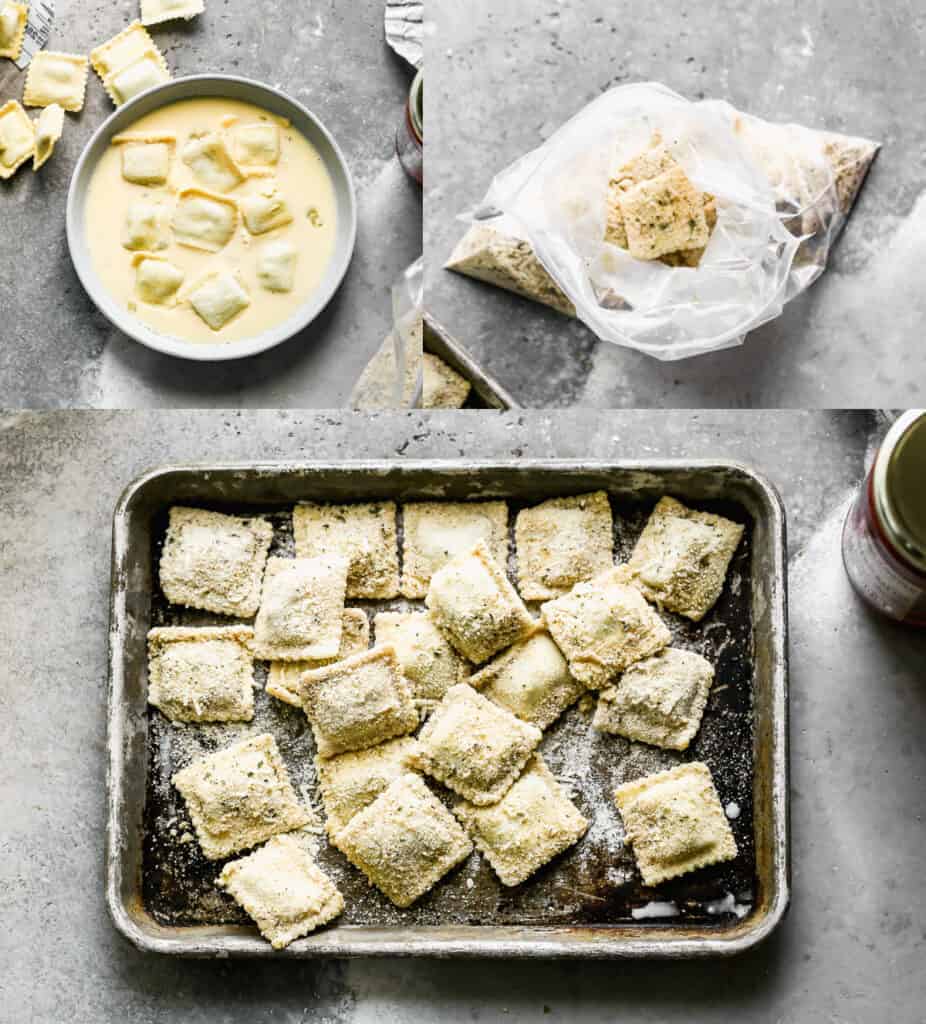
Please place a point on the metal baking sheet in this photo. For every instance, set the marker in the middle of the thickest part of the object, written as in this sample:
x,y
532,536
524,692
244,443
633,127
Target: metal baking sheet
x,y
590,901
486,391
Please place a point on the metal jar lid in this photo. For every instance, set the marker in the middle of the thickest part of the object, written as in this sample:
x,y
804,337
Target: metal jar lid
x,y
900,487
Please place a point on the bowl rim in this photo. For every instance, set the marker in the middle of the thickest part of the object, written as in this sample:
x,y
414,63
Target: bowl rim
x,y
217,351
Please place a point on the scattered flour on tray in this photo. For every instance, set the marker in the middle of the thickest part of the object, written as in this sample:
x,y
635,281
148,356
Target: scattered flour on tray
x,y
727,905
654,909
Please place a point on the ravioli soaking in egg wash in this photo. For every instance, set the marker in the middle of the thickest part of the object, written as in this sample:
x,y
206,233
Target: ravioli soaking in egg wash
x,y
211,220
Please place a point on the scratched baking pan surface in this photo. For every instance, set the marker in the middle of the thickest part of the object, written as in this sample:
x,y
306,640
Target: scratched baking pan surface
x,y
592,884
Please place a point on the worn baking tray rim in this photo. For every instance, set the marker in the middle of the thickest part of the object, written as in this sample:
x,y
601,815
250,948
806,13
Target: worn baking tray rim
x,y
620,941
488,389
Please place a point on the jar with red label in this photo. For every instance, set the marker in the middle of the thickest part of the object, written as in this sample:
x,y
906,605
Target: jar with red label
x,y
884,537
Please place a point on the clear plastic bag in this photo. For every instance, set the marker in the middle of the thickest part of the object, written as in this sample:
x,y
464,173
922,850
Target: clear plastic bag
x,y
392,378
779,208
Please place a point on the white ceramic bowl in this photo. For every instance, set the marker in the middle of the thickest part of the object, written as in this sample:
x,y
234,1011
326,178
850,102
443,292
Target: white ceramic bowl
x,y
231,87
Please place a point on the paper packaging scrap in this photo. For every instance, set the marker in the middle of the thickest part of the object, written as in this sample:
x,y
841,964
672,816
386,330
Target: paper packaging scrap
x,y
404,23
38,31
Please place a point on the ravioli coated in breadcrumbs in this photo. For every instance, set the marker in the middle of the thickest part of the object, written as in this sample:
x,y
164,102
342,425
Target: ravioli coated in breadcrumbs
x,y
301,608
214,561
655,162
476,607
284,680
427,659
675,822
475,747
649,163
442,386
662,215
531,679
561,542
681,559
201,674
531,824
349,782
239,796
405,841
659,700
365,534
358,702
283,890
437,531
604,625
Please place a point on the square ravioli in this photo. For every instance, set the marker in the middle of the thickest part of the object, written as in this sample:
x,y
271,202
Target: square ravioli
x,y
122,50
603,625
358,702
204,220
17,138
301,608
365,534
680,561
256,144
153,12
649,163
157,280
284,680
129,63
13,19
201,674
405,841
56,78
476,607
145,160
349,782
265,210
239,796
532,680
659,700
282,890
210,162
145,73
531,824
48,128
662,215
437,531
475,747
214,561
675,822
427,660
562,542
442,386
219,297
276,265
145,228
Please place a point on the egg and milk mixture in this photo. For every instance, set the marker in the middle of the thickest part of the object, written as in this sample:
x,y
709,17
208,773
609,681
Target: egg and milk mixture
x,y
211,220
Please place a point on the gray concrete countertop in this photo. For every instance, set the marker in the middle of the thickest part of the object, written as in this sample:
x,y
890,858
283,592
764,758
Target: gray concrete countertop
x,y
851,949
57,350
503,77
